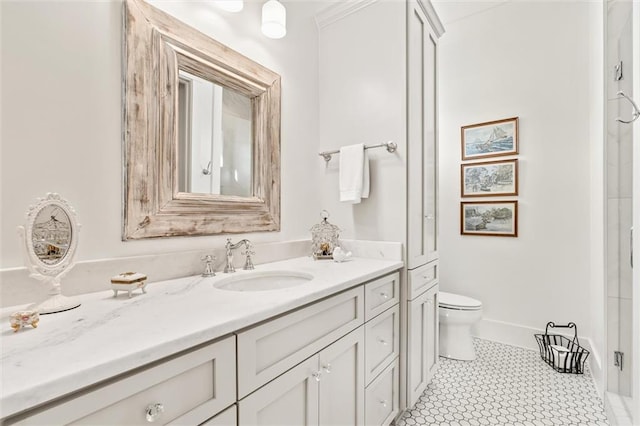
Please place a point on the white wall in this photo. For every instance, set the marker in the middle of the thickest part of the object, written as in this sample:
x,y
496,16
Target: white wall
x,y
531,60
61,116
362,100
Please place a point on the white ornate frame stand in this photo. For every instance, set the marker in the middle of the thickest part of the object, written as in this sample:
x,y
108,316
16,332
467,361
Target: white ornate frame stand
x,y
50,273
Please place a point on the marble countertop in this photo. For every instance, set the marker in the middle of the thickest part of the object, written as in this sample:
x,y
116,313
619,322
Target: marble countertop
x,y
109,335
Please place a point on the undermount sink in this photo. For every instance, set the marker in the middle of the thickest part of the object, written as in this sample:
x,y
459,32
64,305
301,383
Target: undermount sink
x,y
262,280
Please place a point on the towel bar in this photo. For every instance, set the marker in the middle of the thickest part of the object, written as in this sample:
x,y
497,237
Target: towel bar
x,y
391,147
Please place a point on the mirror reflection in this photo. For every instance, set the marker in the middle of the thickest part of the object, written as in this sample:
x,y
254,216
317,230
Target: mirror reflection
x,y
215,147
51,234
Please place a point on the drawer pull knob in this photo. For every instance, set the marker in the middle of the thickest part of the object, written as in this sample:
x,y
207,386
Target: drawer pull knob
x,y
383,403
154,411
316,376
382,341
384,295
327,368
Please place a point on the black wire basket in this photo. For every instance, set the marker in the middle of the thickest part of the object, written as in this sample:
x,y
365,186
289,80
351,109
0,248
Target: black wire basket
x,y
563,354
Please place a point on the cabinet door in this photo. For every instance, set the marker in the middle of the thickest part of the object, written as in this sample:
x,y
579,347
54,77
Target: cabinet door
x,y
423,342
289,400
342,381
422,206
432,341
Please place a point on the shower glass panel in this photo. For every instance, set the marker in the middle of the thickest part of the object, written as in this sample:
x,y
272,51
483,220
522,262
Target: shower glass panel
x,y
619,169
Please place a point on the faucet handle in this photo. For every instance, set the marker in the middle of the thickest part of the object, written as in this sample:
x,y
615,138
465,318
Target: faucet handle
x,y
248,264
208,267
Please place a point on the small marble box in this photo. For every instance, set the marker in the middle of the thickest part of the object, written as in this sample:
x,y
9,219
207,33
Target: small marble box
x,y
128,281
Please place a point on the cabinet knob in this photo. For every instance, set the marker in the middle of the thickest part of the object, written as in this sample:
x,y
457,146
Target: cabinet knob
x,y
384,295
429,217
316,376
154,412
383,403
327,368
382,341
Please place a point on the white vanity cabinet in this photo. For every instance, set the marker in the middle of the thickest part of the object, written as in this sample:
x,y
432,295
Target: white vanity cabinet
x,y
290,372
332,362
188,389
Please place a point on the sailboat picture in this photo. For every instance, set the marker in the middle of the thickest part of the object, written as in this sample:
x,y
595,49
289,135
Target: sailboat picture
x,y
490,139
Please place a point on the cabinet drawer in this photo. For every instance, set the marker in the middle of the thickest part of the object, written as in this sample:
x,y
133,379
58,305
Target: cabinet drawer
x,y
381,294
422,278
270,349
382,335
190,388
382,397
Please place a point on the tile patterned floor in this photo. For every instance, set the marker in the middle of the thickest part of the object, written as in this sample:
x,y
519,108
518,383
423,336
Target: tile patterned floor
x,y
506,385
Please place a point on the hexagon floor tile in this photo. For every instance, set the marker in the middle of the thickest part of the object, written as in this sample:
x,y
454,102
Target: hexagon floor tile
x,y
506,385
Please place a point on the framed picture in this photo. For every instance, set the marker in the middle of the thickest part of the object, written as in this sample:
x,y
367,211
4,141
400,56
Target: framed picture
x,y
498,218
490,139
489,178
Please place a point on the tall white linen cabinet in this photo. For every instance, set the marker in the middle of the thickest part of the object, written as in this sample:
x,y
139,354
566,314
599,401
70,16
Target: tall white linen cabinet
x,y
378,67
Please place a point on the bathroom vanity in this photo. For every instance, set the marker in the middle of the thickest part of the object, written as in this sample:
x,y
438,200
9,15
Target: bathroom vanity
x,y
323,351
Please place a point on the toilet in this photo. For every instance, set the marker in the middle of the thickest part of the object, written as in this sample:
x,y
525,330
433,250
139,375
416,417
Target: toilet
x,y
457,314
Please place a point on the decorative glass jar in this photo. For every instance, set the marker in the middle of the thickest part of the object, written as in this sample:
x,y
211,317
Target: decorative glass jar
x,y
324,238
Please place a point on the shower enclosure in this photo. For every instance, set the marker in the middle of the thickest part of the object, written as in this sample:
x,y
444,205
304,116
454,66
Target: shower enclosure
x,y
622,52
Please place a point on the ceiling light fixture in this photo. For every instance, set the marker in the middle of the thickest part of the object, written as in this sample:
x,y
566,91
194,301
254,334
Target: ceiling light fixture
x,y
274,19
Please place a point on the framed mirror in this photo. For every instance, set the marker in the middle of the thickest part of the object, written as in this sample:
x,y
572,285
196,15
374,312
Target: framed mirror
x,y
201,132
50,240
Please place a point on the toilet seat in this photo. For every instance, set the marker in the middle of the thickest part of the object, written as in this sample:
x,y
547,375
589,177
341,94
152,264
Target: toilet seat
x,y
458,302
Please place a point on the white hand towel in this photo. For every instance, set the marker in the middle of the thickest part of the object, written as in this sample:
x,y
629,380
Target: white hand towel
x,y
354,173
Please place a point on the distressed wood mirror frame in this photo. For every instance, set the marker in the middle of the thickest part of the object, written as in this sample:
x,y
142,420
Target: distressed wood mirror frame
x,y
156,46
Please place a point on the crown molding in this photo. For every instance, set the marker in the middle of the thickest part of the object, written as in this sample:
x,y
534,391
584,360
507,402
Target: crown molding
x,y
340,10
432,17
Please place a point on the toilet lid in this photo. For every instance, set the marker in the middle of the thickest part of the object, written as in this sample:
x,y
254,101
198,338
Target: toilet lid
x,y
456,301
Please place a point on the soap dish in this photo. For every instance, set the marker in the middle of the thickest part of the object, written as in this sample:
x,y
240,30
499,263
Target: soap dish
x,y
128,281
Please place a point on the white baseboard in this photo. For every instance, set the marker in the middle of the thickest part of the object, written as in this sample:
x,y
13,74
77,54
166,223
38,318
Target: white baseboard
x,y
596,366
508,333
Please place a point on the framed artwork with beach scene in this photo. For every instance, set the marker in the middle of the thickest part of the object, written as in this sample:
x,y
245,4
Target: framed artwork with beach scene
x,y
491,178
496,218
490,139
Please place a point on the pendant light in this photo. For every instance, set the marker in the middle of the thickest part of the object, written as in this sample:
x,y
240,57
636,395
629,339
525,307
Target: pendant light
x,y
230,5
274,19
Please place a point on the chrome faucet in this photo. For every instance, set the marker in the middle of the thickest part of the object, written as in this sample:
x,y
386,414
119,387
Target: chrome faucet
x,y
229,247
